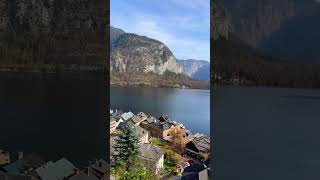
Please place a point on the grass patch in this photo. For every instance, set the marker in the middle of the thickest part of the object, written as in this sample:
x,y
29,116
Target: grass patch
x,y
158,142
169,165
117,131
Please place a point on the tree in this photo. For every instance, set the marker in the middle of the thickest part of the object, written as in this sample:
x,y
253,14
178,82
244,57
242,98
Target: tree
x,y
139,173
176,137
126,150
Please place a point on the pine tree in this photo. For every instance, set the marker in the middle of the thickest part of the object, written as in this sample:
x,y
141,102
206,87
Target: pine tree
x,y
126,150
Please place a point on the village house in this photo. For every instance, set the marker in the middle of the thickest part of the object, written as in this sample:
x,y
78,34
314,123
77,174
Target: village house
x,y
4,157
100,169
181,167
126,116
137,119
164,118
116,113
58,170
83,175
196,171
6,176
142,135
152,156
24,164
199,147
160,130
113,124
151,119
187,136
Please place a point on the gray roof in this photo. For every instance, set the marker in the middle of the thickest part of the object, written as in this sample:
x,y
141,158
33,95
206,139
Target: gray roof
x,y
140,132
150,152
152,119
101,166
201,142
139,117
16,177
56,171
83,176
127,115
27,162
17,167
161,126
205,174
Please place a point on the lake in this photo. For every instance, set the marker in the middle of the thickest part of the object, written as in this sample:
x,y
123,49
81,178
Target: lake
x,y
266,133
188,106
54,116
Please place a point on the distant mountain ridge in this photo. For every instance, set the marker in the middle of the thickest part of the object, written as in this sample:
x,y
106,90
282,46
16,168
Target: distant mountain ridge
x,y
196,69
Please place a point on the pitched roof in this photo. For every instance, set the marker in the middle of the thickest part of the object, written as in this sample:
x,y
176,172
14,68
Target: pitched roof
x,y
29,161
151,119
201,142
127,115
150,152
16,177
140,132
56,171
16,167
139,117
160,126
83,176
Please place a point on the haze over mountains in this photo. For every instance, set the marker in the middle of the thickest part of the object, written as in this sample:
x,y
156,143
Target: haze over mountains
x,y
196,69
134,53
267,42
286,28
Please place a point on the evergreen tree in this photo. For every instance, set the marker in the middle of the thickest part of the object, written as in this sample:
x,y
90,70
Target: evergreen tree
x,y
126,150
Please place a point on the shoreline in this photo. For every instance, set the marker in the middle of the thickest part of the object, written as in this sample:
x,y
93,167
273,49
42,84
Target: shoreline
x,y
51,68
152,85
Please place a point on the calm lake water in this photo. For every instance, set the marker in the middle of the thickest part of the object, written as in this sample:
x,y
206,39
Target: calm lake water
x,y
266,133
188,106
54,116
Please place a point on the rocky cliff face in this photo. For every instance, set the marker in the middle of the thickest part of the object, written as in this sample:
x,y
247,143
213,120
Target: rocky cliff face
x,y
52,15
220,24
276,27
196,69
52,32
254,21
134,53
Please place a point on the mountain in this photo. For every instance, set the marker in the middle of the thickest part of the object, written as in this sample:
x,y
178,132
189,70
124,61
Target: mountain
x,y
239,59
220,25
115,33
286,28
196,69
53,32
253,21
134,53
51,15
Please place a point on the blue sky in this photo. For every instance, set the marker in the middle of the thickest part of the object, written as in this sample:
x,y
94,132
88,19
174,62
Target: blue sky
x,y
183,25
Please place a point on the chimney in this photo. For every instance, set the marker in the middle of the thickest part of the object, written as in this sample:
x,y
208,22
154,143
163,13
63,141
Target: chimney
x,y
20,156
77,171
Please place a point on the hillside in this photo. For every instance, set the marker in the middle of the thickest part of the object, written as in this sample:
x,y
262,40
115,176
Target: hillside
x,y
45,33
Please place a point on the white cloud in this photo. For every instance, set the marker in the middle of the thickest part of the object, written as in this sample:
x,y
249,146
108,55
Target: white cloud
x,y
186,33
